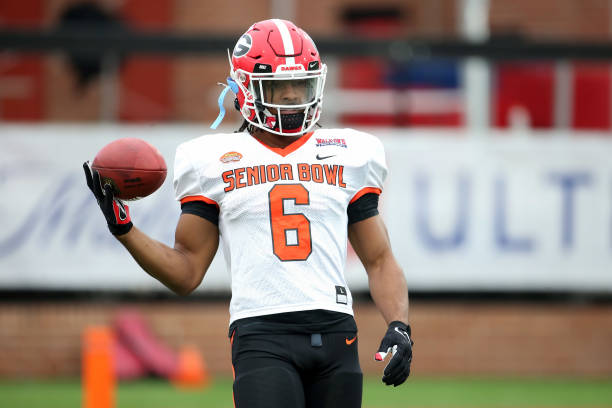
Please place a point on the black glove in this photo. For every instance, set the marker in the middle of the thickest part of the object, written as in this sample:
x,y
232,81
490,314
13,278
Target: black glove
x,y
116,213
397,340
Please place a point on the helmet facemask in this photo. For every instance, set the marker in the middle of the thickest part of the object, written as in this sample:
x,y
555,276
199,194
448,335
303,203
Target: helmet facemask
x,y
286,104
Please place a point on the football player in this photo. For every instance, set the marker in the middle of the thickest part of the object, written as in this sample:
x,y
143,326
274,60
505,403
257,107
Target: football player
x,y
284,197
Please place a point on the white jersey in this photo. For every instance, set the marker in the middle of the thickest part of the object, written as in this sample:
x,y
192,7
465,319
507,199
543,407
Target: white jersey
x,y
282,212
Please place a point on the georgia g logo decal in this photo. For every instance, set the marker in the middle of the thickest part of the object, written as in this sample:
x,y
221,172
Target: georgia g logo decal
x,y
243,46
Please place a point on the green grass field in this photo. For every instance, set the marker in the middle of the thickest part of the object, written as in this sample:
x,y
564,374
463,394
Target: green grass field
x,y
417,392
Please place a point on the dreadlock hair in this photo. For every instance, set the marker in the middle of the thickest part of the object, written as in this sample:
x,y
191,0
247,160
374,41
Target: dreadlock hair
x,y
246,126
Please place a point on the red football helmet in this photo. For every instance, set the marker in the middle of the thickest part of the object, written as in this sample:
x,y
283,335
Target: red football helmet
x,y
280,78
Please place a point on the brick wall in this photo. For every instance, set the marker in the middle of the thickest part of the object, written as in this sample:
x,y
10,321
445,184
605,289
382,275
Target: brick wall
x,y
188,90
552,19
43,340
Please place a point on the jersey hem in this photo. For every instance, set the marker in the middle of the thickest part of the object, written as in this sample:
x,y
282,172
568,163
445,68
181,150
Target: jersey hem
x,y
287,309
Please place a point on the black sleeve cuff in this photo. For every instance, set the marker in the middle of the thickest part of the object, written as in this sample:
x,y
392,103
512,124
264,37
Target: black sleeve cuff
x,y
364,207
207,211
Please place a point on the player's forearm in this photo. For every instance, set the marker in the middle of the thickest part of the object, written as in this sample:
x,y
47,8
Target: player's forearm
x,y
389,289
167,265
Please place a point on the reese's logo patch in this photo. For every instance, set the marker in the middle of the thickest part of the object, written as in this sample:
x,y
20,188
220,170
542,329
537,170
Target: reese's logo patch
x,y
230,157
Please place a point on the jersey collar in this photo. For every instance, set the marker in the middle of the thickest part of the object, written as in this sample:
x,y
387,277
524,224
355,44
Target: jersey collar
x,y
284,151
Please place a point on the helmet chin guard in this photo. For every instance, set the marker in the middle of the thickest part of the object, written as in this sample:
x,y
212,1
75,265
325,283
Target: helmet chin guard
x,y
280,78
291,121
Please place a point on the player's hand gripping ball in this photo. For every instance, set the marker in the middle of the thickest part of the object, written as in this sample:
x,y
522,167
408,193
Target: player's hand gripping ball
x,y
124,169
397,340
133,167
117,214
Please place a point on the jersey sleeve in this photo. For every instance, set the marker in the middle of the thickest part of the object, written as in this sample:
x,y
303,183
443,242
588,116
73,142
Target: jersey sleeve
x,y
188,183
202,209
363,208
375,168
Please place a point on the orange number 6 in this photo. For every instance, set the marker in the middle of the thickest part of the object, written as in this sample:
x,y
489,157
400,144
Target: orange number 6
x,y
283,224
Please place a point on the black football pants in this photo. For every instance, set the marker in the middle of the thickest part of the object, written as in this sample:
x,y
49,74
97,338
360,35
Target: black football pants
x,y
296,370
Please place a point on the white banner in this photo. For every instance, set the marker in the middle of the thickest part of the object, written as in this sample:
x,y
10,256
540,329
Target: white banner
x,y
494,213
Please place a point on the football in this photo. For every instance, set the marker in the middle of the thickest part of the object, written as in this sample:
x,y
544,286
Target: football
x,y
132,166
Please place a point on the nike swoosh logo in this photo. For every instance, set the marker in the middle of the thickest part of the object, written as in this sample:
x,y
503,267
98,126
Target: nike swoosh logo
x,y
319,157
403,333
351,341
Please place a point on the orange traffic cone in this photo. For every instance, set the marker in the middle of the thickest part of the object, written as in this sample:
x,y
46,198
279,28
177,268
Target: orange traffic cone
x,y
98,371
191,371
